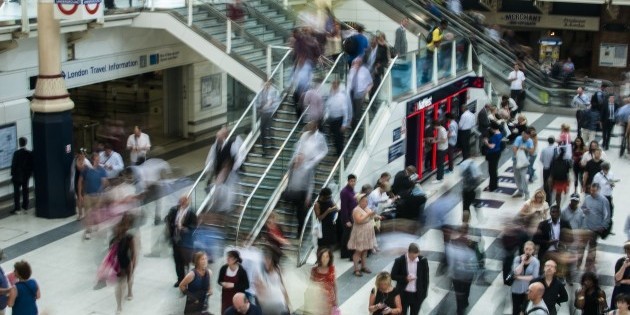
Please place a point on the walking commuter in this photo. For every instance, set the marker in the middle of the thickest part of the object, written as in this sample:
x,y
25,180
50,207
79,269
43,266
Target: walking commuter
x,y
592,121
361,83
271,292
138,145
559,177
359,43
21,171
127,257
441,139
493,154
608,120
596,220
344,226
533,155
523,146
462,271
517,87
536,305
471,179
547,156
400,43
91,184
606,180
339,113
578,149
582,103
452,140
266,104
181,222
411,273
313,104
465,127
591,169
323,276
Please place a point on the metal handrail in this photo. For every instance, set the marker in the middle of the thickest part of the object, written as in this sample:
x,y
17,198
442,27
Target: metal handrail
x,y
238,122
343,153
264,175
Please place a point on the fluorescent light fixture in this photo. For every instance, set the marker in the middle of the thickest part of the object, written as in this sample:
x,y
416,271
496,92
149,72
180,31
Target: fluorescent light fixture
x,y
620,2
582,1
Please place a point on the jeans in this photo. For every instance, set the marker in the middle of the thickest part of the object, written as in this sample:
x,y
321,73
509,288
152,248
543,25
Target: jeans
x,y
493,169
451,157
519,301
530,168
462,291
520,178
440,163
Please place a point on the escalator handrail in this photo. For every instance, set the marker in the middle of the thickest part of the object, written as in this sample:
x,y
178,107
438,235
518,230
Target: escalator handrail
x,y
343,153
275,157
238,122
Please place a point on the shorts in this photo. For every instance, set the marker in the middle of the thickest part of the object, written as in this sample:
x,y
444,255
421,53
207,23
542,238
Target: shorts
x,y
561,186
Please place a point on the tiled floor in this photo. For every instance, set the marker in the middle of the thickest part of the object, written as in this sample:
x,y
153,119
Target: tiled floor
x,y
65,268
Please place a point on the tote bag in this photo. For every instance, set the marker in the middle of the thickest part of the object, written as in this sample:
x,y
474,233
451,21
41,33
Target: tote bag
x,y
521,159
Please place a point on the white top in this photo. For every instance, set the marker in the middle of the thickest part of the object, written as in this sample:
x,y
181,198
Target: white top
x,y
581,101
555,233
376,198
113,163
338,105
362,82
467,121
412,270
139,146
518,83
442,139
605,182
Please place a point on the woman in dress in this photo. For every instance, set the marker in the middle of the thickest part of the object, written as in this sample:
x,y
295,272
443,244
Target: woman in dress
x,y
23,296
384,299
271,292
362,238
127,258
534,211
323,276
590,298
232,279
525,267
622,275
325,210
622,305
196,285
578,148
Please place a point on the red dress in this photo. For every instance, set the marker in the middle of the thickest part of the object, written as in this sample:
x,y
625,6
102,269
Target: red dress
x,y
227,294
328,284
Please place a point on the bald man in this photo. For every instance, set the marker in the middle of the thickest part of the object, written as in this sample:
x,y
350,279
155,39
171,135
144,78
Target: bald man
x,y
555,293
536,304
241,306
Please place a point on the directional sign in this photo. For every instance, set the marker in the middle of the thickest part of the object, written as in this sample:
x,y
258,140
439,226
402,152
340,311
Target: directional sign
x,y
504,190
506,179
488,203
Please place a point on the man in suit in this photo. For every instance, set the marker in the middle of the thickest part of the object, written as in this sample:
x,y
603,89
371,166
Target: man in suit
x,y
401,38
411,273
181,222
551,234
608,120
483,121
21,171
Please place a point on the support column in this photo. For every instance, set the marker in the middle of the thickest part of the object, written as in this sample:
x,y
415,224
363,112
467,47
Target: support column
x,y
52,123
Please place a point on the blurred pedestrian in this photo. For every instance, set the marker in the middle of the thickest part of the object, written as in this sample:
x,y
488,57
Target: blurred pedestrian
x,y
471,179
362,238
547,156
127,256
462,269
313,104
92,182
266,105
596,220
606,180
181,222
522,148
21,171
272,295
360,83
225,157
411,273
452,140
582,103
384,299
339,113
25,292
578,148
323,276
533,154
196,286
525,267
138,145
466,125
232,279
236,13
554,291
400,43
559,176
493,154
534,211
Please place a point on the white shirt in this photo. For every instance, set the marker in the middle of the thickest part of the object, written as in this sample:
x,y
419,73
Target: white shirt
x,y
518,83
581,101
139,146
113,164
452,130
361,84
376,198
338,105
442,139
555,233
467,121
605,182
412,270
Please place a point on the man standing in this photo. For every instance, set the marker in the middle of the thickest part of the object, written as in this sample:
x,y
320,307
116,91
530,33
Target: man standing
x,y
555,293
400,44
111,161
91,183
522,143
181,222
536,304
360,83
442,146
581,103
338,112
21,171
596,220
550,233
606,180
411,273
138,144
517,85
483,121
348,203
452,140
466,124
266,104
547,155
608,120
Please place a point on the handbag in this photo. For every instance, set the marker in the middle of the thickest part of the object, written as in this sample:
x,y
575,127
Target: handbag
x,y
522,161
509,279
109,268
317,229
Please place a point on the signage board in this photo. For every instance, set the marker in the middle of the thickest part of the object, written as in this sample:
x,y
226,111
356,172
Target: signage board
x,y
8,144
427,99
396,134
396,150
613,55
78,9
546,21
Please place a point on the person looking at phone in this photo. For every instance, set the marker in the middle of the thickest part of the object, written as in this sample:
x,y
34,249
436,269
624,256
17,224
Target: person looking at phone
x,y
526,267
622,275
606,180
384,299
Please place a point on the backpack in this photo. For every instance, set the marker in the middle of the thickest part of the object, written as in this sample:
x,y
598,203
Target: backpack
x,y
430,36
351,45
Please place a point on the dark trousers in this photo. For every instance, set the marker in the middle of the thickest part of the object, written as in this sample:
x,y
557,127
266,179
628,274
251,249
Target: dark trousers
x,y
181,262
16,195
519,97
468,199
299,206
440,163
546,186
345,237
462,291
409,300
334,125
518,303
109,4
607,129
265,129
578,117
451,157
357,111
493,170
463,139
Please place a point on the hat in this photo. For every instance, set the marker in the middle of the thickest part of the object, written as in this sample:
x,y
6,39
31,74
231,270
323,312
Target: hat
x,y
575,197
360,196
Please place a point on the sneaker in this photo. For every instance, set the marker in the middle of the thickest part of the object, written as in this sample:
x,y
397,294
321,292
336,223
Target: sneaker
x,y
517,195
437,181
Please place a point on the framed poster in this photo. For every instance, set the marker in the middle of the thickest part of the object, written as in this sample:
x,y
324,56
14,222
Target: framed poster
x,y
8,144
613,55
210,91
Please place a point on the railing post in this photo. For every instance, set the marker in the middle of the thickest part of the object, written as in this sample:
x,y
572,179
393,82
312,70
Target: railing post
x,y
454,59
285,3
152,5
480,71
470,59
281,83
190,12
435,65
254,118
26,26
269,60
414,72
366,128
228,44
390,89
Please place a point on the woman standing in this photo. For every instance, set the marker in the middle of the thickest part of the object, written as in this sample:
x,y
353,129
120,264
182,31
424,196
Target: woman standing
x,y
271,292
493,155
362,238
622,275
591,299
325,210
534,211
525,268
323,275
384,299
24,294
578,148
126,255
196,286
232,279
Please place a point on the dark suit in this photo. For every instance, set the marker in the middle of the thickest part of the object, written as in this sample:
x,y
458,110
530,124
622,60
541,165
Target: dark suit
x,y
21,171
181,239
607,123
483,122
411,300
542,237
599,99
